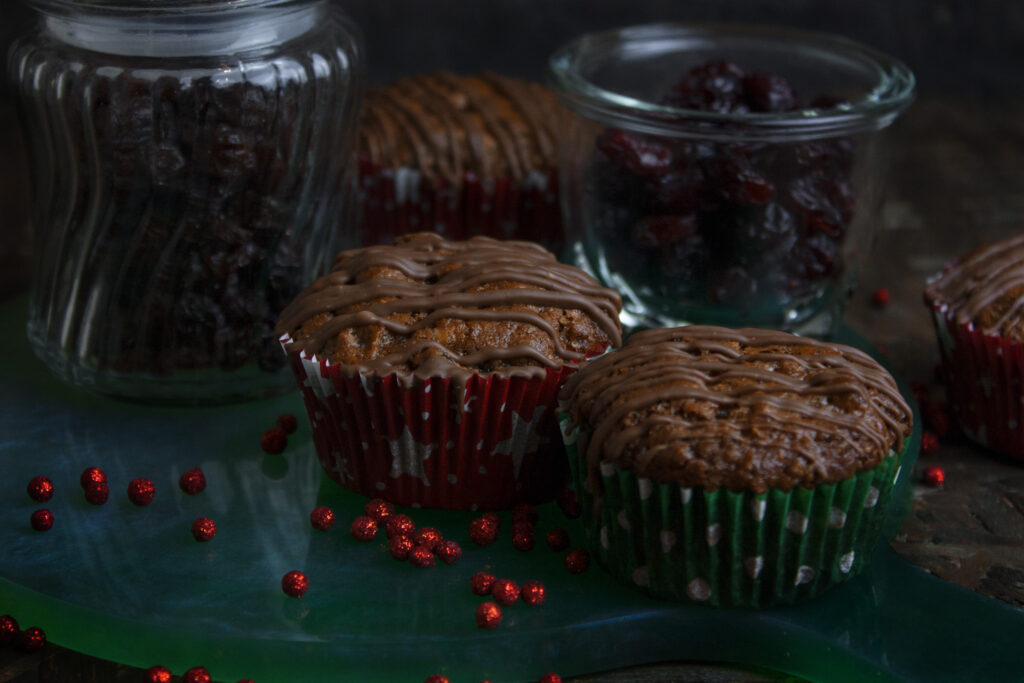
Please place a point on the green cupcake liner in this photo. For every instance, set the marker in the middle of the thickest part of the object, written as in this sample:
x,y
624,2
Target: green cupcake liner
x,y
731,549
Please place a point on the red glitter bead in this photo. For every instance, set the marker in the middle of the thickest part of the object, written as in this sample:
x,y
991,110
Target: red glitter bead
x,y
488,615
274,441
399,524
494,517
97,492
569,503
524,512
197,674
32,639
91,475
158,674
505,591
379,509
523,540
448,552
936,416
436,678
577,561
42,520
521,526
558,540
363,528
399,546
9,630
40,489
880,297
933,476
483,531
482,583
533,593
428,536
141,491
288,423
421,557
193,481
929,443
204,529
322,518
550,678
294,583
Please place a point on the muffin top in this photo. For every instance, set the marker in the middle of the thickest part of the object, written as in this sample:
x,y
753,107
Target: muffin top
x,y
447,125
739,409
431,307
985,289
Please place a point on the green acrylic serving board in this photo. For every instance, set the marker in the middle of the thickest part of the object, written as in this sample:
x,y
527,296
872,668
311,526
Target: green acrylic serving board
x,y
130,584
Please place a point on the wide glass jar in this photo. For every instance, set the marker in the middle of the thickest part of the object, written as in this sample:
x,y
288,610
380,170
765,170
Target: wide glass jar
x,y
725,174
189,162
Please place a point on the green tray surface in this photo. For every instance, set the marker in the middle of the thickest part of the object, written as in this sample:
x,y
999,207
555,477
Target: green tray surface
x,y
130,584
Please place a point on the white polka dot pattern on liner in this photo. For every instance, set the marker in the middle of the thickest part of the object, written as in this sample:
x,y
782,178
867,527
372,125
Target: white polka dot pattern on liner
x,y
796,522
645,488
642,577
623,520
753,566
846,562
804,575
698,589
757,508
836,518
668,540
872,498
685,494
713,534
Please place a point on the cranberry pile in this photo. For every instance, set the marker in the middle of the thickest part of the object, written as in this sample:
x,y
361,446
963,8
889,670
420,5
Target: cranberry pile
x,y
751,226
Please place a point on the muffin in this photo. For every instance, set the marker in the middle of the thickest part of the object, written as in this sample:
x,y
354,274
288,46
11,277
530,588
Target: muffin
x,y
430,368
743,468
976,307
461,156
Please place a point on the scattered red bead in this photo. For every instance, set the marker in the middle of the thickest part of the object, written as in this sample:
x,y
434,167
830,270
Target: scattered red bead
x,y
569,503
42,520
880,297
436,678
141,491
399,524
92,475
577,561
197,674
97,492
933,476
363,528
32,639
488,615
929,443
399,546
448,552
421,557
505,591
379,509
204,529
524,512
523,540
322,518
288,423
550,678
483,531
40,489
936,417
9,630
428,536
494,517
558,540
482,583
294,583
274,441
158,674
193,481
533,593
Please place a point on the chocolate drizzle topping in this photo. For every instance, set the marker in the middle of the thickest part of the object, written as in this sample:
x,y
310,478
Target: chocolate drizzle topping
x,y
986,289
446,125
423,283
741,409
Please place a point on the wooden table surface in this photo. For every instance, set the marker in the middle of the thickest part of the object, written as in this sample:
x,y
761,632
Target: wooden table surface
x,y
956,181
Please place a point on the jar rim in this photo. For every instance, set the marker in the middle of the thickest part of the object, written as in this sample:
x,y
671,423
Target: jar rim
x,y
886,98
158,7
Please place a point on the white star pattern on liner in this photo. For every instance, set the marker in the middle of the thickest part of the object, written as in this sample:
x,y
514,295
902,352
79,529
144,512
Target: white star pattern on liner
x,y
713,534
836,518
753,566
685,494
804,575
523,439
871,498
645,488
796,522
757,508
668,540
408,455
846,562
698,589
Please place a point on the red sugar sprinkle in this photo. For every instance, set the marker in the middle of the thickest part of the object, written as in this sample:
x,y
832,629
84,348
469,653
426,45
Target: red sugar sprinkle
x,y
399,524
97,492
9,630
933,476
40,489
421,557
92,474
550,678
204,529
436,678
483,531
32,639
428,536
880,297
929,443
158,674
488,615
42,520
363,528
294,584
193,481
533,593
505,591
322,518
288,423
399,546
448,552
379,509
274,441
197,674
482,583
141,491
523,540
524,512
577,561
558,540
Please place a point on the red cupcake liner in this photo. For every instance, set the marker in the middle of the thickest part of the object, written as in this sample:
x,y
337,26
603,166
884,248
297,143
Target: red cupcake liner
x,y
982,373
398,201
429,443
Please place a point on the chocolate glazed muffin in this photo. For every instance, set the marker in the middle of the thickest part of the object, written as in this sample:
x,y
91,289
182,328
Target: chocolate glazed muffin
x,y
978,310
460,155
430,368
735,467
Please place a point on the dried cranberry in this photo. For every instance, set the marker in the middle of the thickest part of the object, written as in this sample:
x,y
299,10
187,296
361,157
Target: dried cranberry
x,y
716,87
636,153
768,92
737,181
681,190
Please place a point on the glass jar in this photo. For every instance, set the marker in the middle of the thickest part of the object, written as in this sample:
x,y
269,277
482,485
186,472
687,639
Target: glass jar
x,y
190,164
726,175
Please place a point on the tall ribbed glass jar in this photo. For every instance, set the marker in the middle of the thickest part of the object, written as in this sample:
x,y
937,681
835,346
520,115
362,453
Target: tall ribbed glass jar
x,y
190,164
